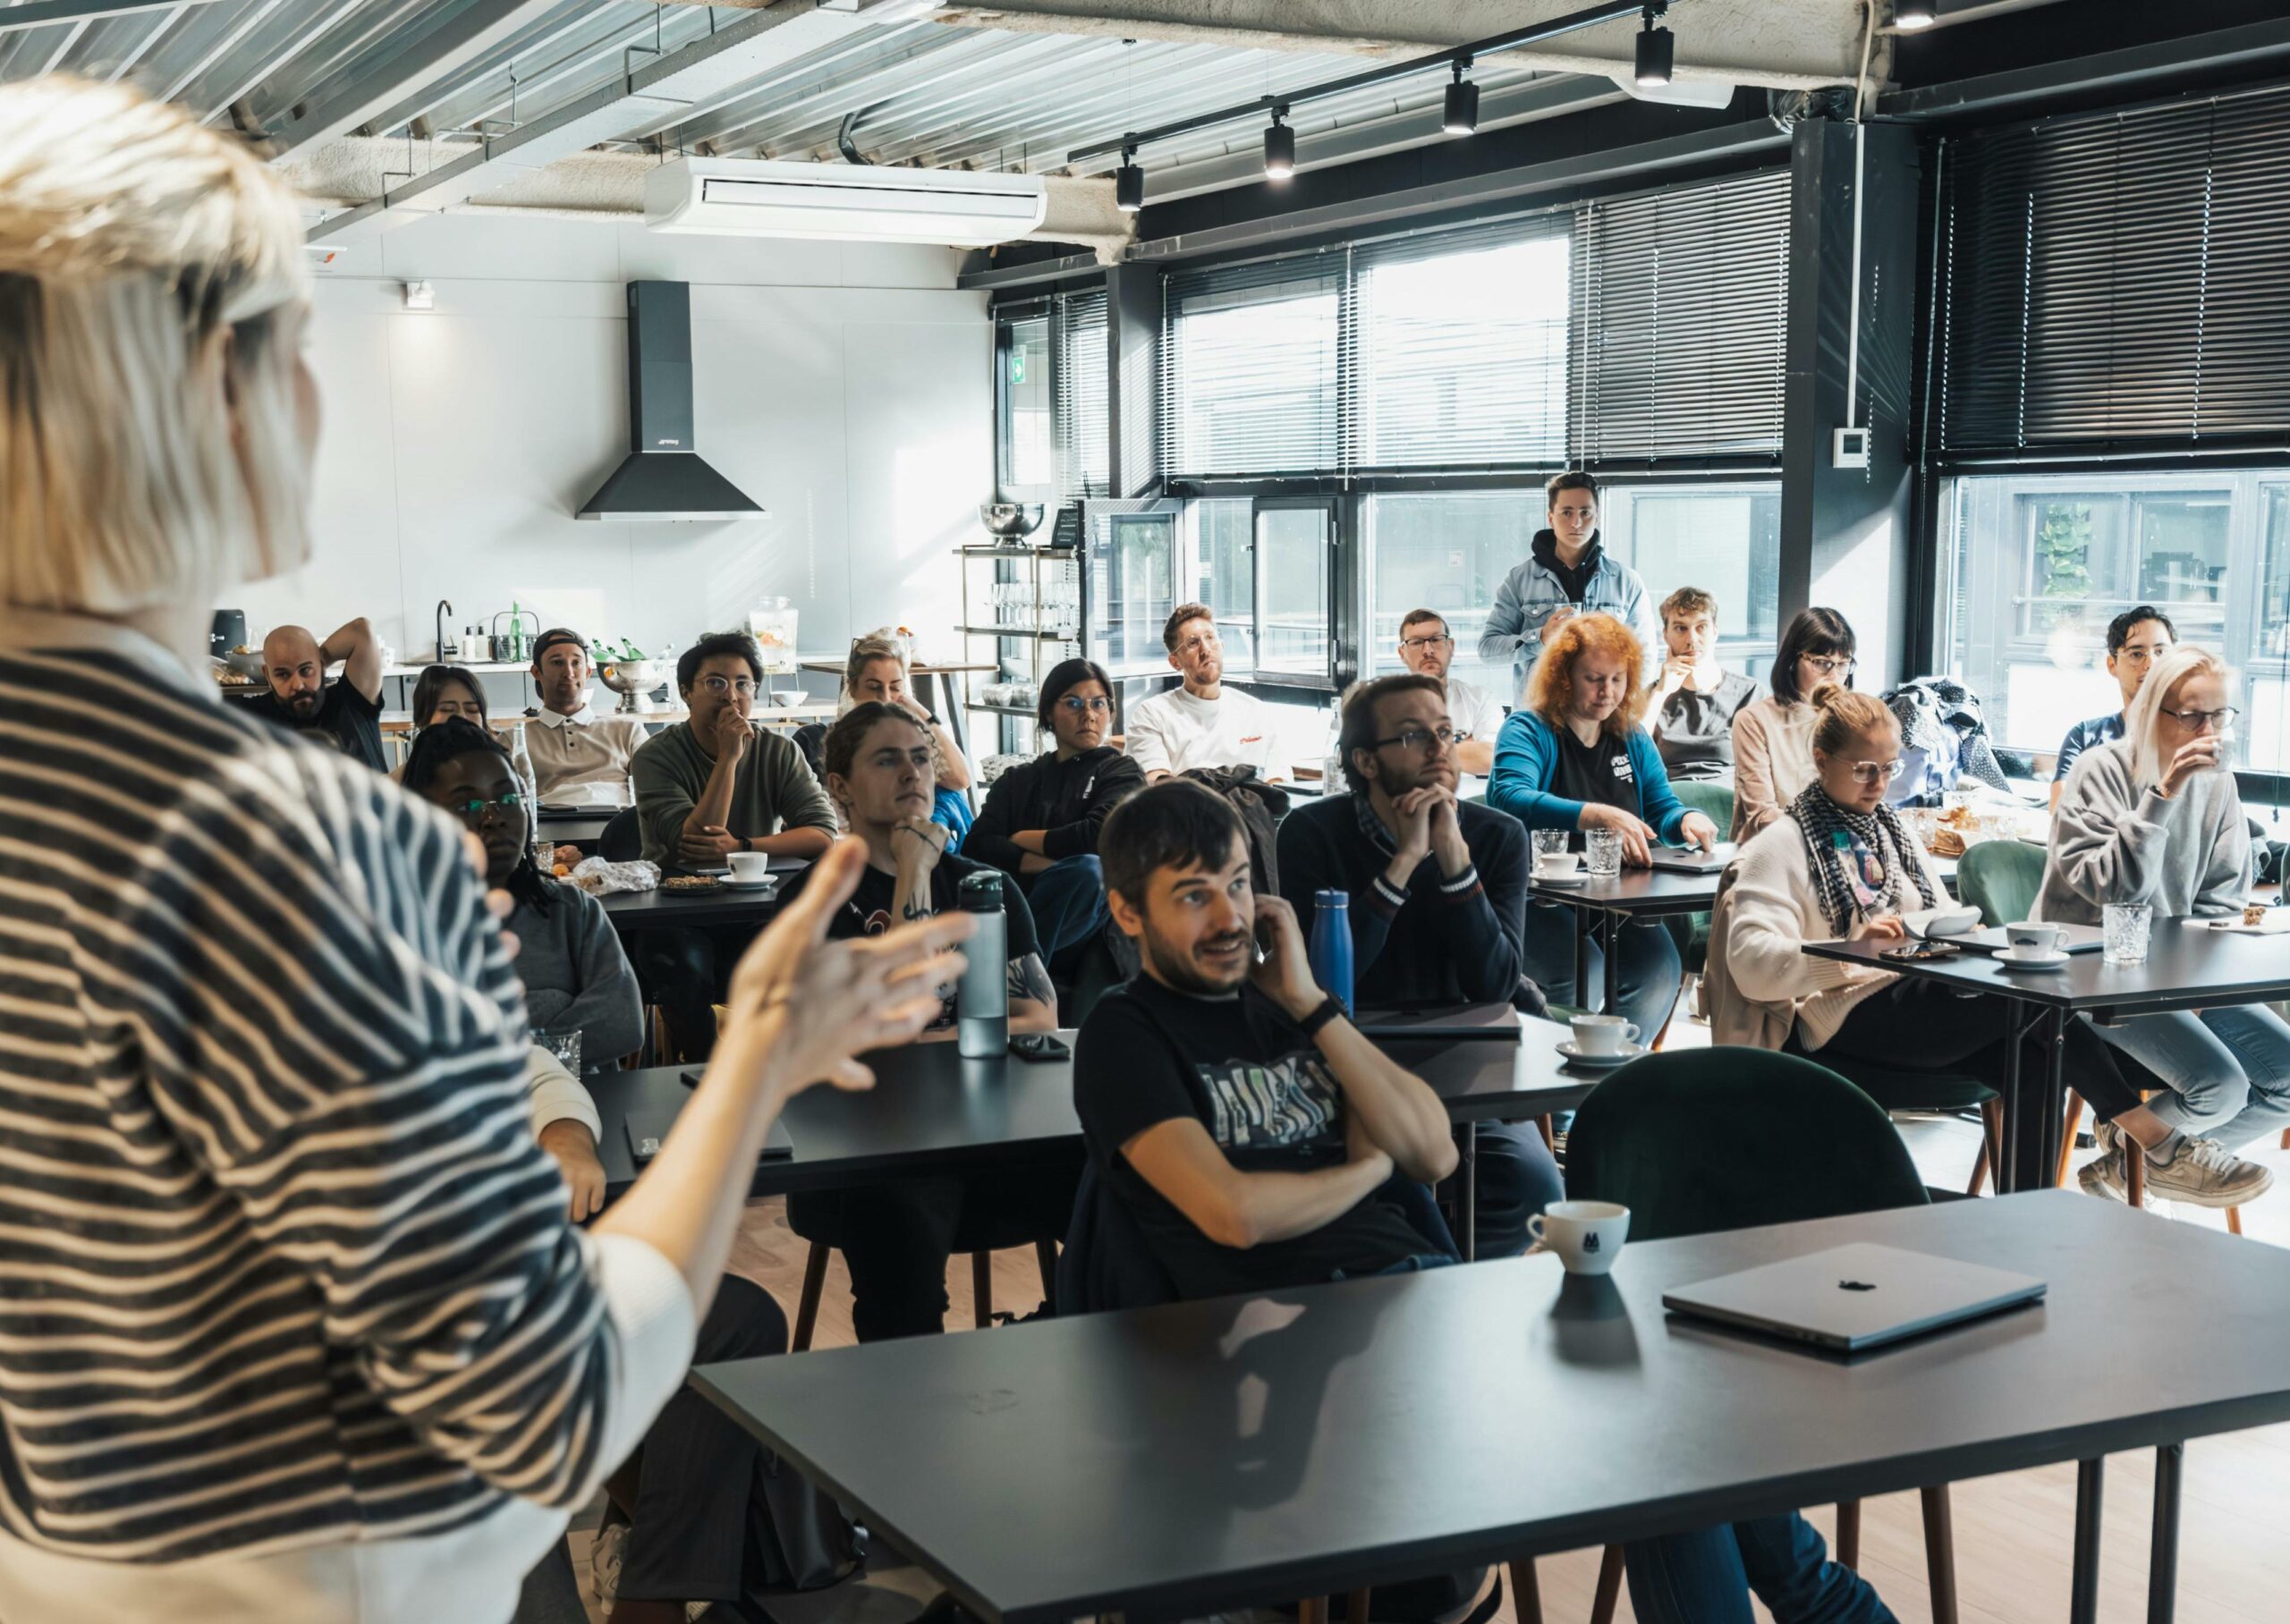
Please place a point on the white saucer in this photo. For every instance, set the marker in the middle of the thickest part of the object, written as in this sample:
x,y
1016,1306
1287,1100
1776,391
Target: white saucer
x,y
1572,877
2013,958
1575,1056
765,883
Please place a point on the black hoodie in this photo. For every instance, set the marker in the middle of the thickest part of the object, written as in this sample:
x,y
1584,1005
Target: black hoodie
x,y
1068,799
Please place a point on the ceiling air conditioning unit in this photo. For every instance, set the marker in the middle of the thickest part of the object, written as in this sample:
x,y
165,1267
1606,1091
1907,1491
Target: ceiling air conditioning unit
x,y
762,198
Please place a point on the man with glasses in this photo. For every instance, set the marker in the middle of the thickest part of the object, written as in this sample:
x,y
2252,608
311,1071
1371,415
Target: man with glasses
x,y
1202,723
2136,640
1040,820
1427,647
707,787
1438,907
576,753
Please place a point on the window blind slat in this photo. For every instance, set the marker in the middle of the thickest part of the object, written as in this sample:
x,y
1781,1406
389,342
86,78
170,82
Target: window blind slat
x,y
1085,427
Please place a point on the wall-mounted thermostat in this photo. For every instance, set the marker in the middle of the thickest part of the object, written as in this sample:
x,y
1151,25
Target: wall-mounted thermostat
x,y
1851,448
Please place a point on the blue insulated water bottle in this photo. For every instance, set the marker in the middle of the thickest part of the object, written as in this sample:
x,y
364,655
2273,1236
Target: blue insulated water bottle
x,y
1329,947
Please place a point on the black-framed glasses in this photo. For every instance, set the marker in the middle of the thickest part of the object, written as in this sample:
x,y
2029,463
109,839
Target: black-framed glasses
x,y
1442,641
2196,720
714,683
1878,772
473,810
1416,737
1827,665
1074,704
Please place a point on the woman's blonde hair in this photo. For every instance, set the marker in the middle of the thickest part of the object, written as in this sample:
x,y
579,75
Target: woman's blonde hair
x,y
150,446
881,645
1846,713
1551,683
2143,717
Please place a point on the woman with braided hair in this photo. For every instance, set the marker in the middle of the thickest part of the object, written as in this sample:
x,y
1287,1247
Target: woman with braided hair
x,y
1837,863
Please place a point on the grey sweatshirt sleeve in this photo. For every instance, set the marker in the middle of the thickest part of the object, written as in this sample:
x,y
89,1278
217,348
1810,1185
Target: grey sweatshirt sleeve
x,y
608,1009
2107,841
2227,879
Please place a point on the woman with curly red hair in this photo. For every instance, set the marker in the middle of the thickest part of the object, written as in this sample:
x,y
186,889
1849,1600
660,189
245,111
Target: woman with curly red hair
x,y
1577,756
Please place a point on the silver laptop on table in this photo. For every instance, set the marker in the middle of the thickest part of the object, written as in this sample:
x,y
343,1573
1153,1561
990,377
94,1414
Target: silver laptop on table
x,y
1856,1297
1692,859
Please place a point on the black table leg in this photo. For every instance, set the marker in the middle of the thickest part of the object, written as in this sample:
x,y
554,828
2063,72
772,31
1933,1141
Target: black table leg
x,y
2163,1552
2055,1096
1467,1188
2008,1157
1584,923
1613,944
2083,1602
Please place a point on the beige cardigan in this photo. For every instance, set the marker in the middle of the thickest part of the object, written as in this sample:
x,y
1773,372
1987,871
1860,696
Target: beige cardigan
x,y
1773,761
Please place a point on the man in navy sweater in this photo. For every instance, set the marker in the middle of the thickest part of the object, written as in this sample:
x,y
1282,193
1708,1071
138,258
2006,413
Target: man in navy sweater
x,y
1438,893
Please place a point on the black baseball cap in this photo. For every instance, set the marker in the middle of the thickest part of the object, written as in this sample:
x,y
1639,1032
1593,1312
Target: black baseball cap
x,y
553,636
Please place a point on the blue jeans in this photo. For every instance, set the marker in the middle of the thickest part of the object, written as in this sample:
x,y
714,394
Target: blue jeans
x,y
1516,1179
1651,968
1068,902
2228,1069
1706,1577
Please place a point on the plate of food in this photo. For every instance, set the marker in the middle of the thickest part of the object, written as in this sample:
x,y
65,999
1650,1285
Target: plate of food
x,y
692,884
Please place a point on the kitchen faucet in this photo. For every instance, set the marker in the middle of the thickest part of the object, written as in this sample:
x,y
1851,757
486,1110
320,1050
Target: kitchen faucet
x,y
445,653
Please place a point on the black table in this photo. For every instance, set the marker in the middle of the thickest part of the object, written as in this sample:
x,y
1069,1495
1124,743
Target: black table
x,y
1249,1451
2186,968
931,1111
663,910
1640,893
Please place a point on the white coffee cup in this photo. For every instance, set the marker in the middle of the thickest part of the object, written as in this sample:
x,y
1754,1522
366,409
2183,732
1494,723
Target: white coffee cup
x,y
2036,939
1585,1234
1603,1033
749,867
1558,865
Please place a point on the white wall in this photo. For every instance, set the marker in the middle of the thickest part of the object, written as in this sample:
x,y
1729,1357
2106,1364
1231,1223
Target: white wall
x,y
846,388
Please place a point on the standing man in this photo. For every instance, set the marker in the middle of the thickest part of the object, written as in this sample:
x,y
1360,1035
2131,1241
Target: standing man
x,y
1202,723
1567,573
346,714
1691,715
2136,640
571,746
1438,894
1427,648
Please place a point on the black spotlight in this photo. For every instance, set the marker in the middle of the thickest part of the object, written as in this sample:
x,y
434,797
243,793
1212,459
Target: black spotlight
x,y
1657,52
1912,14
1129,183
1462,115
1279,150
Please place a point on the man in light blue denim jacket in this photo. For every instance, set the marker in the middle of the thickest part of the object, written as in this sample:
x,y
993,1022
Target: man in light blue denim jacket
x,y
1567,573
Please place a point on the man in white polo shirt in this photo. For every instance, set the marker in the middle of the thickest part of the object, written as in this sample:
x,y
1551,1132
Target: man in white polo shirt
x,y
1427,647
572,748
1203,723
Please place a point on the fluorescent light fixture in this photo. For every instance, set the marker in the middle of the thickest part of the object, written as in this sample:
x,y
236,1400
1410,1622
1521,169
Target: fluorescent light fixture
x,y
1279,150
1913,13
420,296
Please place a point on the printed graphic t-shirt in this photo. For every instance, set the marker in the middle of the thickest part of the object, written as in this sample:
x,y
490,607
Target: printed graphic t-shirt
x,y
1249,1075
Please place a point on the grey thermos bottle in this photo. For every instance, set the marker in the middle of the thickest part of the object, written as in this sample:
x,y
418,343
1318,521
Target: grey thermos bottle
x,y
982,1001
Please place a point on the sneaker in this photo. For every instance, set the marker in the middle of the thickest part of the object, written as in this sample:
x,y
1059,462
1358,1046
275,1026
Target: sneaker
x,y
2108,1137
2206,1174
606,1552
2103,1177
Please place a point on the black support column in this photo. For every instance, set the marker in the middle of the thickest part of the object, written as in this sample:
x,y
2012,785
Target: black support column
x,y
1132,352
1846,540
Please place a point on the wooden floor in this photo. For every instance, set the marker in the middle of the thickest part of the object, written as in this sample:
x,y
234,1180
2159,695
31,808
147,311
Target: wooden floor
x,y
2013,1532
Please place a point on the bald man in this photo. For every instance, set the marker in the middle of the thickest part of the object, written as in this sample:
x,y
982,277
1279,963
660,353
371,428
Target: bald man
x,y
344,713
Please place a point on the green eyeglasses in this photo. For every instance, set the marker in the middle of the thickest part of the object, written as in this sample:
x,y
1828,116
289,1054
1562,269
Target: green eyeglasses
x,y
473,810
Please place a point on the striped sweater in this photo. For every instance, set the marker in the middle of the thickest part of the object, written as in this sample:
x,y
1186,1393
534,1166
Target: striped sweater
x,y
281,1264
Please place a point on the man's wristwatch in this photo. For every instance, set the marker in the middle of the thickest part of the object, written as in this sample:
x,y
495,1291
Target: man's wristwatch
x,y
1331,1008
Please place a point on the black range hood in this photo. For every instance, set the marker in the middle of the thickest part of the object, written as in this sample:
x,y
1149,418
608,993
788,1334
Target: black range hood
x,y
664,478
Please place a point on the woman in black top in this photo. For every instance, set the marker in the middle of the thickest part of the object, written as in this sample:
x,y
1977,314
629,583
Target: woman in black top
x,y
1040,820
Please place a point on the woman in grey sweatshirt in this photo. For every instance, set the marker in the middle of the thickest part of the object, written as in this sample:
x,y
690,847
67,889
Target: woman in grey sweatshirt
x,y
2155,818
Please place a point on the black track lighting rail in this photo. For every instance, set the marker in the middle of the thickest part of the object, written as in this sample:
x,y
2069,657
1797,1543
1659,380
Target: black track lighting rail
x,y
1458,56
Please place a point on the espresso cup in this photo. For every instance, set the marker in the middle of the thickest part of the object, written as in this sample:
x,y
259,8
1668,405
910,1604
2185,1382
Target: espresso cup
x,y
2033,936
748,868
1558,865
1585,1234
1603,1033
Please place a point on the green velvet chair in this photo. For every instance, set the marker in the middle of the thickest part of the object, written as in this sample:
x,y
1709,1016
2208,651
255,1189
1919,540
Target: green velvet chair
x,y
1709,1139
1713,801
2002,879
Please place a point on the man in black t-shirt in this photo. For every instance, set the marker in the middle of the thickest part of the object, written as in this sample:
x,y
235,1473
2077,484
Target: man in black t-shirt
x,y
896,1239
345,714
1229,1105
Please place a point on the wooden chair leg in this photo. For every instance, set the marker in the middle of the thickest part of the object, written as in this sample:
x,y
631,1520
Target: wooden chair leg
x,y
1848,1533
1312,1610
1610,1591
2068,1135
807,1308
1940,1553
1355,1607
1045,1260
2286,1138
2134,1175
1549,1134
1991,1142
1526,1593
981,1289
2233,1221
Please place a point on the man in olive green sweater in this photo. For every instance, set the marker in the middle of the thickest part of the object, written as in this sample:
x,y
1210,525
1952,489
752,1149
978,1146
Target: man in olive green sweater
x,y
705,788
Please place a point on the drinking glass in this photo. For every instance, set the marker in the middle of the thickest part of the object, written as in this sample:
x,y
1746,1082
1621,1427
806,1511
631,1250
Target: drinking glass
x,y
565,1045
1602,852
2124,925
1548,842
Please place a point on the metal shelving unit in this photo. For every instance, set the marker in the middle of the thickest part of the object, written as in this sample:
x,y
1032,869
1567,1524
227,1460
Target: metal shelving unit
x,y
1026,648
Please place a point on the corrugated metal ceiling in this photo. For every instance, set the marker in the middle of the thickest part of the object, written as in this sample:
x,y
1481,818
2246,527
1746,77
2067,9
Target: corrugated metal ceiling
x,y
925,91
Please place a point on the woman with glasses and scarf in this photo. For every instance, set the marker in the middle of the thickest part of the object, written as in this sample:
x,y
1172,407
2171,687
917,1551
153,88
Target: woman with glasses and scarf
x,y
1040,820
1773,737
1838,864
2155,818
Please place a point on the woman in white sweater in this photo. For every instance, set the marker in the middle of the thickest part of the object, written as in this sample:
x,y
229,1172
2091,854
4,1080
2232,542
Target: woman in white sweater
x,y
2155,818
1839,863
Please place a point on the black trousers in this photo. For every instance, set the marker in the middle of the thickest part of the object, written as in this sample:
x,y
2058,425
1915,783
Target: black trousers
x,y
686,971
896,1239
1921,1026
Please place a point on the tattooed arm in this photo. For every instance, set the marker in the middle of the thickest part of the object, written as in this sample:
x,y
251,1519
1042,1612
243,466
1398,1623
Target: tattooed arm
x,y
1034,1001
